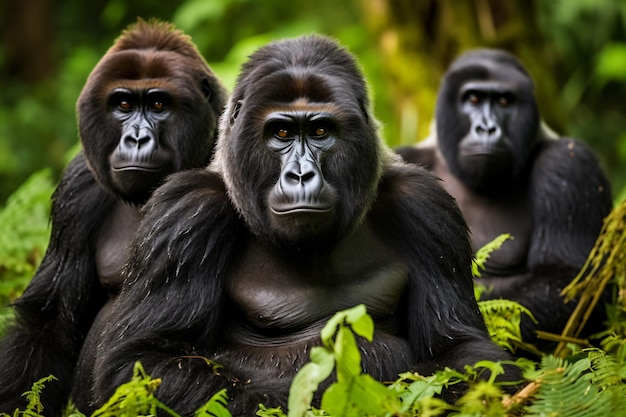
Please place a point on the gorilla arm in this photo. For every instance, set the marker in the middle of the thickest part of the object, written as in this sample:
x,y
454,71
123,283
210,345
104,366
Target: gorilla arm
x,y
570,198
445,327
190,222
57,308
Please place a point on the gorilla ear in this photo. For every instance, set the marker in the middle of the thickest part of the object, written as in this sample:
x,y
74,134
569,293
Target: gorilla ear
x,y
235,112
206,89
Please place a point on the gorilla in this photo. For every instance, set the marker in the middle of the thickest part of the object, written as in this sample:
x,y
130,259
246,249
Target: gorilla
x,y
302,212
510,174
149,108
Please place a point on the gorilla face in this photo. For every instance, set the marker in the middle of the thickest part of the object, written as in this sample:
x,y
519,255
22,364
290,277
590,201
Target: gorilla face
x,y
487,119
486,151
148,111
300,154
141,158
301,200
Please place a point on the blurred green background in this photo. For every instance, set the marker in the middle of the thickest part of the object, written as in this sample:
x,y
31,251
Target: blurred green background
x,y
575,50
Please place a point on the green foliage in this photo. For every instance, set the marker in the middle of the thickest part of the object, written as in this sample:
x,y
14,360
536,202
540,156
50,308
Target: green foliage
x,y
357,394
610,64
503,319
136,398
590,384
483,253
34,408
569,388
24,235
354,393
605,265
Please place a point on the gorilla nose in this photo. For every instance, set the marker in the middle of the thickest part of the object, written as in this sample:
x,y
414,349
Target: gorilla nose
x,y
138,143
487,130
300,173
301,176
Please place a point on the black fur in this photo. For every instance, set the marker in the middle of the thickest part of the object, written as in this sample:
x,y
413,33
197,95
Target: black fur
x,y
209,277
552,196
60,306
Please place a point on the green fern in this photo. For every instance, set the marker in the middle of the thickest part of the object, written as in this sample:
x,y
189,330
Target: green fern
x,y
24,234
135,398
567,390
590,384
215,407
605,264
503,319
34,408
483,253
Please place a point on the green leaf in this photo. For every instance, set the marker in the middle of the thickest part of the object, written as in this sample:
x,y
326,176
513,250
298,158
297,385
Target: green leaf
x,y
216,406
483,253
307,380
567,388
347,355
263,411
356,317
363,395
503,319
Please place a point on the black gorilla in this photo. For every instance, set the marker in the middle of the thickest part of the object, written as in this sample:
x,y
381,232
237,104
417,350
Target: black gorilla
x,y
509,174
303,212
149,108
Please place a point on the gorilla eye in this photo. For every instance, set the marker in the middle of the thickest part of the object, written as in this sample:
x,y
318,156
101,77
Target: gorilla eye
x,y
503,101
282,133
320,131
157,106
125,105
473,98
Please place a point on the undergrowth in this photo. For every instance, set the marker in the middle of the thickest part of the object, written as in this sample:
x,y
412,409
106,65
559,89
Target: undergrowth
x,y
24,236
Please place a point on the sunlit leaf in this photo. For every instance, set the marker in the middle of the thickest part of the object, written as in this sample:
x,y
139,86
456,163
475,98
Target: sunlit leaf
x,y
308,379
347,355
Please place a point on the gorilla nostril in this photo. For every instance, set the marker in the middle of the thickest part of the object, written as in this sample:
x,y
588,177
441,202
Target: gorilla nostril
x,y
141,142
308,176
292,177
296,178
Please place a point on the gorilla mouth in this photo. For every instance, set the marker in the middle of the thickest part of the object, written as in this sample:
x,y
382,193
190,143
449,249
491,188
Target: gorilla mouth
x,y
482,151
282,211
138,168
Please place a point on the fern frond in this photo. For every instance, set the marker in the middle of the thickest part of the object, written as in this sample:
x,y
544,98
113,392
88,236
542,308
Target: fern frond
x,y
566,390
503,319
215,407
34,407
483,253
135,398
606,262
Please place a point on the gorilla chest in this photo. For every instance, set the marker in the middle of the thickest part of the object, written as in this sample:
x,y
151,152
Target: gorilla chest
x,y
112,245
275,291
490,216
491,220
